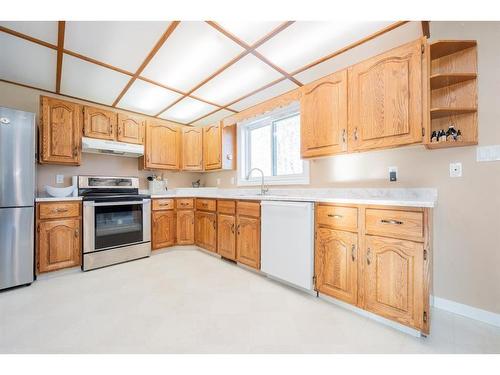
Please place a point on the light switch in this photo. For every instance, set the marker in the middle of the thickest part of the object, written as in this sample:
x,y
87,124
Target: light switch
x,y
393,173
59,178
455,169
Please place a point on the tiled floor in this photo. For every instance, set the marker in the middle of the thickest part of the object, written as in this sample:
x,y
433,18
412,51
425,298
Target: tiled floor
x,y
186,301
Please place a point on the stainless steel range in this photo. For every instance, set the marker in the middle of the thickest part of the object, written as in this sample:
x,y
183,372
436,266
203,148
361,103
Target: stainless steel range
x,y
116,221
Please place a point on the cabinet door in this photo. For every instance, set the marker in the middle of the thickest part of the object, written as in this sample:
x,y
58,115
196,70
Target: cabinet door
x,y
163,143
185,227
58,244
248,241
99,123
192,149
323,116
163,229
393,279
130,129
385,99
60,132
206,230
212,147
226,236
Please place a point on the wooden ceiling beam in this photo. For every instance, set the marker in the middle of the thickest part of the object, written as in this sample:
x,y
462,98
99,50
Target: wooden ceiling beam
x,y
350,46
148,58
61,26
252,48
28,38
426,29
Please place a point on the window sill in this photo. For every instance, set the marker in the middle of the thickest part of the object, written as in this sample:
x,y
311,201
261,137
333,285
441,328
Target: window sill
x,y
274,181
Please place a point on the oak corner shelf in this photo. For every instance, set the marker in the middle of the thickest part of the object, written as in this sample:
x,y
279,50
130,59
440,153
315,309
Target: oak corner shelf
x,y
445,112
441,80
442,48
449,144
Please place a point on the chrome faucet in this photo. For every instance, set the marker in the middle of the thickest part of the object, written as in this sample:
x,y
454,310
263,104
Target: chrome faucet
x,y
263,189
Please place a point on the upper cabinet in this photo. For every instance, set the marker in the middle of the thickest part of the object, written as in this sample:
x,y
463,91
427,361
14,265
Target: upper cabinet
x,y
60,131
385,99
212,147
163,145
192,149
323,116
99,123
131,129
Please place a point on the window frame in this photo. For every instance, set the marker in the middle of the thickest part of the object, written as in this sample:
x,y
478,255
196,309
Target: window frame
x,y
243,138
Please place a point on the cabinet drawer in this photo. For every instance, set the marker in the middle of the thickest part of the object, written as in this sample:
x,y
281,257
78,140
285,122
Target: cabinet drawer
x,y
58,210
184,203
394,223
163,204
206,204
248,208
345,218
226,207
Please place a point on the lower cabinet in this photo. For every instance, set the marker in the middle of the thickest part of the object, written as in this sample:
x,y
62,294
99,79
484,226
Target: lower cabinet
x,y
381,265
59,242
226,236
205,234
393,279
336,264
248,241
185,227
163,233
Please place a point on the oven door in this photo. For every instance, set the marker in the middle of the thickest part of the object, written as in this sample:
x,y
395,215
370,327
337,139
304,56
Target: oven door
x,y
108,225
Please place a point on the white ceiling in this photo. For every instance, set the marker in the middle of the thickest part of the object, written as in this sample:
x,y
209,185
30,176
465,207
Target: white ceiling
x,y
194,53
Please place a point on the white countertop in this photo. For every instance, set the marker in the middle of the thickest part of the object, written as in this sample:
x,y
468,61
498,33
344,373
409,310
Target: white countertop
x,y
418,197
47,198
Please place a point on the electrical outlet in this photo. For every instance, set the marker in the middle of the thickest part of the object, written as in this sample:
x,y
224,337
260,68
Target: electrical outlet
x,y
393,173
59,178
218,181
456,169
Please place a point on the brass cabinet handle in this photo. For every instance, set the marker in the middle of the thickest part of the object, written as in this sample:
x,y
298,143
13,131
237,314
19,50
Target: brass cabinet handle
x,y
343,136
77,232
335,216
356,133
61,210
394,222
75,151
368,256
214,224
353,252
232,228
238,229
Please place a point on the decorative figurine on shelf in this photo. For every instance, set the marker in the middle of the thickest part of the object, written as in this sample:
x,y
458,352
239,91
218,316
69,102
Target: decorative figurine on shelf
x,y
441,136
434,137
459,136
451,134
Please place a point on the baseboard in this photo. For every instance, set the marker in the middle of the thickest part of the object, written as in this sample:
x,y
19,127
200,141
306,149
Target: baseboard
x,y
466,310
375,317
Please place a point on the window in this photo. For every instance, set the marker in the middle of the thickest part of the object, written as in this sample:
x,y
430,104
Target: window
x,y
272,144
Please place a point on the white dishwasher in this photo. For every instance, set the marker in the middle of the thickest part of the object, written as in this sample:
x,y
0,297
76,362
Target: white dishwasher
x,y
287,242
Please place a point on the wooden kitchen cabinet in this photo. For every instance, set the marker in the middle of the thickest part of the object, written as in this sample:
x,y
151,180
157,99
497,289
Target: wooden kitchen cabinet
x,y
336,264
58,237
99,123
212,147
206,230
60,131
163,233
323,116
393,279
192,149
185,227
226,236
248,233
385,99
131,129
162,148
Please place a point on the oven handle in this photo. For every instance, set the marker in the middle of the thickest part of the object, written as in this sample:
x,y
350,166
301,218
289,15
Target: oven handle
x,y
115,203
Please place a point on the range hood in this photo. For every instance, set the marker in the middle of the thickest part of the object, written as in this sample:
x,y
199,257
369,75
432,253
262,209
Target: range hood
x,y
101,146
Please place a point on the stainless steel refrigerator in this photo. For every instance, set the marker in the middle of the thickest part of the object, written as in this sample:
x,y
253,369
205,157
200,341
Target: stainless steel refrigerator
x,y
17,196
